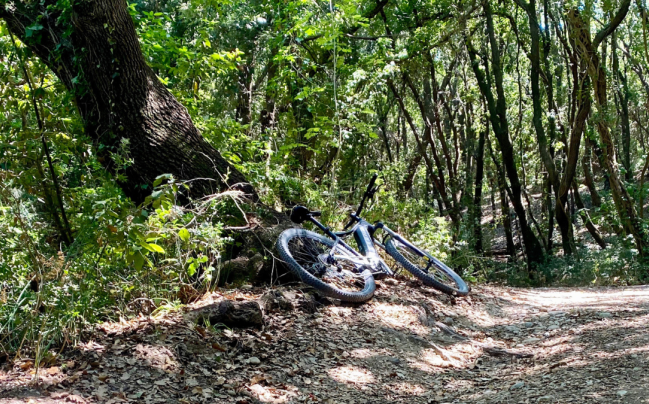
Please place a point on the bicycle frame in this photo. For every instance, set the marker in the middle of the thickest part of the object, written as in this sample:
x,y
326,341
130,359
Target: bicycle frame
x,y
363,232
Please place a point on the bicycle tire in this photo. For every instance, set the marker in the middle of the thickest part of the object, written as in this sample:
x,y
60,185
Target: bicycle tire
x,y
454,284
284,249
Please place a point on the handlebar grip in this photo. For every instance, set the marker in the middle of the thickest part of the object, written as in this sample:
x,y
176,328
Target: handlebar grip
x,y
371,184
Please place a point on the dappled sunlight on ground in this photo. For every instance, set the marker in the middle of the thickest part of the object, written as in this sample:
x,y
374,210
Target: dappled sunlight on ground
x,y
351,375
408,345
396,315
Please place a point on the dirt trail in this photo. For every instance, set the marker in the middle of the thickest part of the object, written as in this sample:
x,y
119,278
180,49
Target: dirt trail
x,y
409,344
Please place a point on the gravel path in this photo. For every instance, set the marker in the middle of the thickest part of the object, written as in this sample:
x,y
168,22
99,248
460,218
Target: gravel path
x,y
409,344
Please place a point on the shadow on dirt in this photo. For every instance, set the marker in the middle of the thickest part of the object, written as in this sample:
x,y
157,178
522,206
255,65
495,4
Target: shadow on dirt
x,y
409,344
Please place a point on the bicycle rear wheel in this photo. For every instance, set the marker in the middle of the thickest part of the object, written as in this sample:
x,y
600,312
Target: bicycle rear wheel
x,y
330,268
427,268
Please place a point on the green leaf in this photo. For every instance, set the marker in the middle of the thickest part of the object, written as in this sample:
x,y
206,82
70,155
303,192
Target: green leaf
x,y
184,234
191,270
29,31
157,248
138,261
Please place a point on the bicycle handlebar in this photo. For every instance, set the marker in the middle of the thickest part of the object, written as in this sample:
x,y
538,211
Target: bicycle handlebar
x,y
371,184
369,192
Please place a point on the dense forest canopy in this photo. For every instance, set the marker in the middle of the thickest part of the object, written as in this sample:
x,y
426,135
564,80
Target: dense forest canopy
x,y
142,144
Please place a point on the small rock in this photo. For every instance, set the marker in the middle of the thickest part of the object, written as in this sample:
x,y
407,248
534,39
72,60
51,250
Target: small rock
x,y
553,327
604,314
275,301
545,399
531,341
448,320
233,314
557,313
622,393
517,386
254,361
528,324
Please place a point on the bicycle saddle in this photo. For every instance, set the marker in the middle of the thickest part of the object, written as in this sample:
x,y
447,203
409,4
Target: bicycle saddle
x,y
299,214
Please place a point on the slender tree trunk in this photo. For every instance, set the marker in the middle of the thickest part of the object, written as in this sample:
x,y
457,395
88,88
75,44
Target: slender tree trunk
x,y
477,195
121,101
623,202
506,218
450,202
623,97
408,181
244,94
498,117
588,174
641,187
586,219
550,208
383,126
504,203
492,197
470,155
267,116
537,119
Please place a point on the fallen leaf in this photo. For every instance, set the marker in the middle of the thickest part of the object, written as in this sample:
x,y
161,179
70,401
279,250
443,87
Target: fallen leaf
x,y
218,347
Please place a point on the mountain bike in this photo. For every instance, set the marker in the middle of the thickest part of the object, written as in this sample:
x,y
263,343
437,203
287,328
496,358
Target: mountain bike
x,y
329,264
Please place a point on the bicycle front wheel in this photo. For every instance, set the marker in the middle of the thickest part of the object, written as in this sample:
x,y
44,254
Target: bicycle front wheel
x,y
427,268
330,268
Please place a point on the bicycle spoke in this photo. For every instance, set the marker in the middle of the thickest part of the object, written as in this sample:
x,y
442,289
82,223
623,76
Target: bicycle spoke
x,y
318,259
425,265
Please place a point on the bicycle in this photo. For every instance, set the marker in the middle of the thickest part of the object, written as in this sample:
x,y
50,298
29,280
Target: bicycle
x,y
330,265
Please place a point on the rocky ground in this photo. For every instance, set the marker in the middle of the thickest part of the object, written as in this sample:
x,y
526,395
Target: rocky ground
x,y
408,344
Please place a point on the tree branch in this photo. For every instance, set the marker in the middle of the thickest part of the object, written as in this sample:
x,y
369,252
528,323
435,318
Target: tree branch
x,y
611,26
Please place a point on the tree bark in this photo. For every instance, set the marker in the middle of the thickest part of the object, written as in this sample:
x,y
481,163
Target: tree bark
x,y
121,101
584,216
477,195
623,97
588,174
504,204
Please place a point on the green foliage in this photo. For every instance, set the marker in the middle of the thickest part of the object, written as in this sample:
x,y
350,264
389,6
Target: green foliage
x,y
296,95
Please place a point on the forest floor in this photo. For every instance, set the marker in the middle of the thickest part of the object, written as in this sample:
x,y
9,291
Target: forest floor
x,y
408,344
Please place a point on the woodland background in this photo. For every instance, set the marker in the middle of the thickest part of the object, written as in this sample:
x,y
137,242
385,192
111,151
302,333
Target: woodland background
x,y
511,136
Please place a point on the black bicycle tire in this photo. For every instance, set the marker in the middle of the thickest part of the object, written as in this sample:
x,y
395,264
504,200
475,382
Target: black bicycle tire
x,y
462,288
328,290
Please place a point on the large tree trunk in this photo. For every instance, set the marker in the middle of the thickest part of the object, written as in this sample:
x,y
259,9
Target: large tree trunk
x,y
120,99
